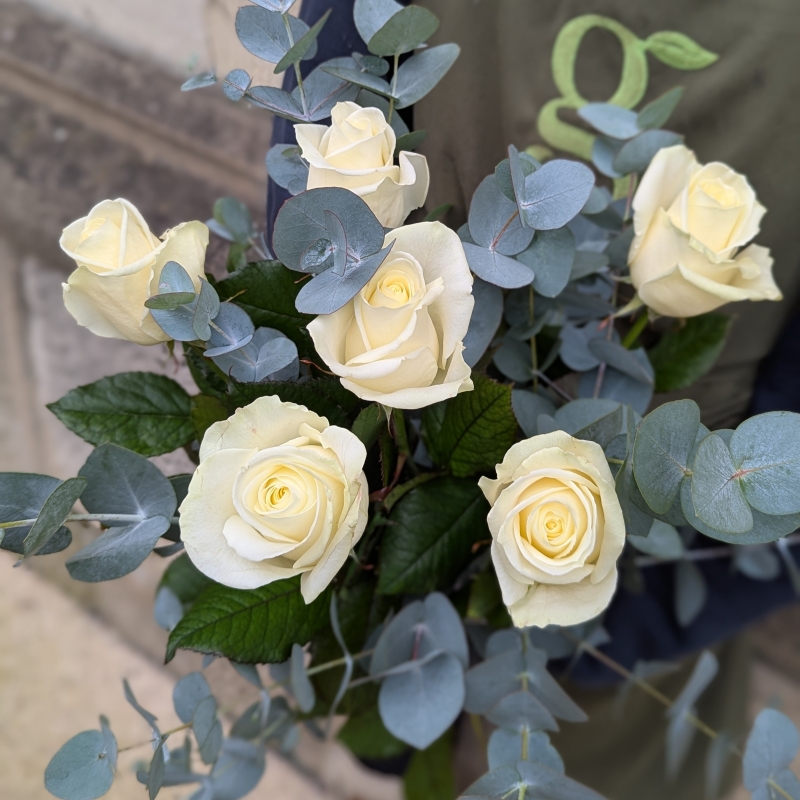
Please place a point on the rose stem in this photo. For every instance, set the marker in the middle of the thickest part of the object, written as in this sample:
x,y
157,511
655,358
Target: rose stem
x,y
632,336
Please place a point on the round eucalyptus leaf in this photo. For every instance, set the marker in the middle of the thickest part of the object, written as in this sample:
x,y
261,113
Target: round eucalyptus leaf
x,y
550,256
287,168
420,73
232,328
420,704
188,693
81,769
493,267
268,356
758,562
636,154
323,90
766,452
554,194
302,222
610,120
238,770
302,689
235,84
664,442
717,495
330,290
691,592
604,151
123,482
629,362
484,322
371,15
403,32
263,33
771,746
519,711
527,409
663,541
494,220
506,748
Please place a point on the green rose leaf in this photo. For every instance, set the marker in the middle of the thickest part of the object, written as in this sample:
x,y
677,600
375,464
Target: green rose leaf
x,y
324,396
257,626
366,736
141,411
434,528
266,290
678,51
477,429
205,412
687,352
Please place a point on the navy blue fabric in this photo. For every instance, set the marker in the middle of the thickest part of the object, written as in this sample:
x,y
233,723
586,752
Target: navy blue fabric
x,y
643,626
778,384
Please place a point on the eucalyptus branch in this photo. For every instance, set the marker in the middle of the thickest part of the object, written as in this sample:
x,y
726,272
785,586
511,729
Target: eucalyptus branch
x,y
534,354
646,687
394,88
297,72
703,554
124,518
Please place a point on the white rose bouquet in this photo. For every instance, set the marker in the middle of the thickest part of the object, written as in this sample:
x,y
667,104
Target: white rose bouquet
x,y
421,479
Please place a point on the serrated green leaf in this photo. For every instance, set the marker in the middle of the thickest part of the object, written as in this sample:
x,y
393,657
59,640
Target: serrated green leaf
x,y
256,626
434,528
266,290
141,411
184,580
205,412
678,51
324,396
366,736
688,351
477,429
369,424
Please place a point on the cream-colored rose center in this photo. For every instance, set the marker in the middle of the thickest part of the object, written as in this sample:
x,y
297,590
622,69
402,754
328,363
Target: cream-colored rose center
x,y
358,138
725,196
395,287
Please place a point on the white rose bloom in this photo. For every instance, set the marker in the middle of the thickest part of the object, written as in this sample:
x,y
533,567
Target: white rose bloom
x,y
399,341
119,266
689,222
557,530
279,492
357,153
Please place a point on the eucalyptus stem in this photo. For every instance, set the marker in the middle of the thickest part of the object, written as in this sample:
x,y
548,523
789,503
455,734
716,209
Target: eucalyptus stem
x,y
632,336
297,72
394,88
534,354
126,518
647,688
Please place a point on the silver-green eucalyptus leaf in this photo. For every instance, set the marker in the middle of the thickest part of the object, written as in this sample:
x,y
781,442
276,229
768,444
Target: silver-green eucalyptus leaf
x,y
300,49
371,15
420,74
636,154
236,84
655,114
610,120
263,33
550,257
403,32
81,769
484,322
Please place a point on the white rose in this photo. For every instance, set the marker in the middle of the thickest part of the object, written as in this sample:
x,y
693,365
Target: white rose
x,y
357,153
689,222
119,266
399,341
557,530
279,492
